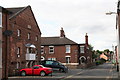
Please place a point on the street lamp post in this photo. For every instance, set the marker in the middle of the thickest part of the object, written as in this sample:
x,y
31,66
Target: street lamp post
x,y
118,28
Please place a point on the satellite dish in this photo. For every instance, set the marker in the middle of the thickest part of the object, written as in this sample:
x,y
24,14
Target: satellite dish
x,y
7,32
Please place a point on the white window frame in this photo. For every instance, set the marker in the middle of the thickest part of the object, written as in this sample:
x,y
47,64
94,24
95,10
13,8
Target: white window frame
x,y
51,49
0,19
18,52
18,32
68,48
36,38
29,36
42,49
82,49
27,50
52,59
18,65
29,26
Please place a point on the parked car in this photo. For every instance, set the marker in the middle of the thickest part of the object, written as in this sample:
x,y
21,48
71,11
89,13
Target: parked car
x,y
55,65
36,70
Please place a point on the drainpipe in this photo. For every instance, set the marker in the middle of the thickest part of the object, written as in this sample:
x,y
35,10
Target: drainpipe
x,y
7,33
1,43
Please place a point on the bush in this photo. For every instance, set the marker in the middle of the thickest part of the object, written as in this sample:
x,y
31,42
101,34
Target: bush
x,y
101,61
98,62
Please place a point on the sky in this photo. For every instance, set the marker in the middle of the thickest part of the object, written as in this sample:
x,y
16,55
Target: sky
x,y
77,17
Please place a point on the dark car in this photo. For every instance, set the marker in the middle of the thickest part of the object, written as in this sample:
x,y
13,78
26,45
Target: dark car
x,y
55,65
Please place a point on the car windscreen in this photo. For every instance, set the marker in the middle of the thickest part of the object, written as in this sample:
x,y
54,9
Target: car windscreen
x,y
49,62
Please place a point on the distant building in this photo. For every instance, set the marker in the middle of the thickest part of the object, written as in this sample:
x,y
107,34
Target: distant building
x,y
103,56
64,50
85,54
20,39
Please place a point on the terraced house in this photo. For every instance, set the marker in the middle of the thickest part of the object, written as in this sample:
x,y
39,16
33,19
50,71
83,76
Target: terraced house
x,y
20,41
65,50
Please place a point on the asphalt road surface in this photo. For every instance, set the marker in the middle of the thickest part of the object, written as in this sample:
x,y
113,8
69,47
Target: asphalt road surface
x,y
105,71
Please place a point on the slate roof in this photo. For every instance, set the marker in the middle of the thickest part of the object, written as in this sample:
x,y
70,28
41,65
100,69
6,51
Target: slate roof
x,y
56,41
15,11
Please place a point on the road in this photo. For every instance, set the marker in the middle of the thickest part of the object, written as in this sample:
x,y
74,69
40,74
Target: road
x,y
105,71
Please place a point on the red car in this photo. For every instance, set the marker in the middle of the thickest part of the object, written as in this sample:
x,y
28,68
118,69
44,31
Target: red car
x,y
36,70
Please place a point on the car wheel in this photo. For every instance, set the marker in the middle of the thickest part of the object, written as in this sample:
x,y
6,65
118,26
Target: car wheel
x,y
23,73
61,70
66,71
42,73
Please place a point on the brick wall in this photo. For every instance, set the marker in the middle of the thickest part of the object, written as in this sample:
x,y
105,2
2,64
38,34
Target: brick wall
x,y
60,53
20,22
0,52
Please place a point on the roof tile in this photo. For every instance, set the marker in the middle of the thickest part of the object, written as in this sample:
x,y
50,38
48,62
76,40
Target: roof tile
x,y
56,41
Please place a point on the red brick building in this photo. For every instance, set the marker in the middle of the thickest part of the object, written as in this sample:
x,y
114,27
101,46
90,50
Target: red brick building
x,y
21,39
85,54
65,50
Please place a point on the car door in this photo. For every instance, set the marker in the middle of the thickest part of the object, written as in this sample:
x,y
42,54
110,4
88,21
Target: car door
x,y
36,70
55,65
48,64
29,71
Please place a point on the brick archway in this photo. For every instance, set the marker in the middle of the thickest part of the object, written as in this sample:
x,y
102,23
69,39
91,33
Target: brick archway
x,y
82,59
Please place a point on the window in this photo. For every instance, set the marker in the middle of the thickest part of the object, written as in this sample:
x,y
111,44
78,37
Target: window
x,y
29,27
18,52
27,50
18,32
36,67
82,49
0,19
51,49
28,35
18,65
55,63
42,49
67,60
67,48
52,59
49,62
36,51
36,38
13,25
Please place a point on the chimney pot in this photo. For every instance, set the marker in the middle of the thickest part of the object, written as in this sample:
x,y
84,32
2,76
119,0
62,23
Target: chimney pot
x,y
86,39
62,33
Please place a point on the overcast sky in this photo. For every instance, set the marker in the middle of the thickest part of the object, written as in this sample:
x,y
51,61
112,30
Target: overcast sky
x,y
77,17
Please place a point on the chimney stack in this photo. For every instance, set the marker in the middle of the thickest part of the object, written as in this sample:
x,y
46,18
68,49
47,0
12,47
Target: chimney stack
x,y
86,39
62,33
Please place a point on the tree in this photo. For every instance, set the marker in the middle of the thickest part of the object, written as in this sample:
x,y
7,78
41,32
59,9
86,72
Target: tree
x,y
94,55
99,52
91,47
107,50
